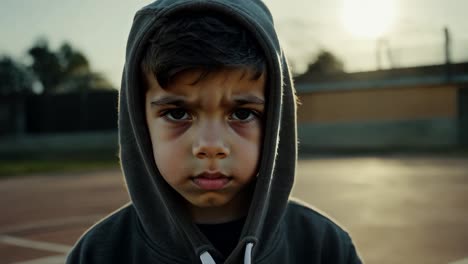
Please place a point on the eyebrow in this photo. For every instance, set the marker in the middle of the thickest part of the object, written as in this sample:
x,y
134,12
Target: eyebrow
x,y
169,100
248,99
180,102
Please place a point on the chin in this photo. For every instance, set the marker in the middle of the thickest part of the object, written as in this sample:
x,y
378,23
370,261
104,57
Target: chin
x,y
210,200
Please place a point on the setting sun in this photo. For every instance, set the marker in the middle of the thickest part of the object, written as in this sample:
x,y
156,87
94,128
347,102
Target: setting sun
x,y
368,18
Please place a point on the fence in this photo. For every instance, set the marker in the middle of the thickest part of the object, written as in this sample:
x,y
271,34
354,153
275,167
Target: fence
x,y
58,113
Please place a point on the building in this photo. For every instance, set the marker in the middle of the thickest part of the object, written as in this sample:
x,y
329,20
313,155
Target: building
x,y
406,108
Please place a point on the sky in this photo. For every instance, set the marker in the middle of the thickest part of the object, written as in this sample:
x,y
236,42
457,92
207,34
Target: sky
x,y
411,31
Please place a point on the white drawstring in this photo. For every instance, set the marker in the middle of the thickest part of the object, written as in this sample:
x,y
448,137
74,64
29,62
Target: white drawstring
x,y
248,253
206,258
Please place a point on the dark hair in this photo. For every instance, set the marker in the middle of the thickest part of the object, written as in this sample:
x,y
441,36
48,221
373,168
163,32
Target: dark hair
x,y
198,41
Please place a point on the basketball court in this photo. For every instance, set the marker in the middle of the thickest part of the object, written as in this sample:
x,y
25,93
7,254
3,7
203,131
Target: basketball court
x,y
397,209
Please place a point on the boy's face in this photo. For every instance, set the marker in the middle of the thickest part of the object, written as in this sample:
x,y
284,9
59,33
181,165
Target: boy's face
x,y
207,135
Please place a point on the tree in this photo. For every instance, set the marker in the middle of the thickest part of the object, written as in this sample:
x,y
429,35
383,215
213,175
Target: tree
x,y
66,70
72,61
14,77
83,82
325,63
46,65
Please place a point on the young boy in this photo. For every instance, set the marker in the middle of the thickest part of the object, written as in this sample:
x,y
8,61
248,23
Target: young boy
x,y
207,126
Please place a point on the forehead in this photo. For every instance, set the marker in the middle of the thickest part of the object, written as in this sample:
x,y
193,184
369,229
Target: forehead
x,y
195,84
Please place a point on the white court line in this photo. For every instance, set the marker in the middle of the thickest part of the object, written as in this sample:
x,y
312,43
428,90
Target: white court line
x,y
47,260
461,261
21,242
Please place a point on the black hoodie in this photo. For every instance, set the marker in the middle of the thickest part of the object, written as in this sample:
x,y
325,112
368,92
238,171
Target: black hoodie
x,y
156,228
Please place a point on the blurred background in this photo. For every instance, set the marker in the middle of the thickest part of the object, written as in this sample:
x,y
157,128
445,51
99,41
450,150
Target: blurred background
x,y
383,124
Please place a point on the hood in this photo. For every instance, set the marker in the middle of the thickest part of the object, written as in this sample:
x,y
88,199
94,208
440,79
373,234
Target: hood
x,y
162,216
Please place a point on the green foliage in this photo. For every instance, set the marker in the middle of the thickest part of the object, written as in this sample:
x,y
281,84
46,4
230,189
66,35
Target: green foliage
x,y
325,63
45,65
15,78
77,74
63,70
66,70
73,62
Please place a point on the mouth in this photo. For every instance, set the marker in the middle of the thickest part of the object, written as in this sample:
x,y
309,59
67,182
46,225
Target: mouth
x,y
211,181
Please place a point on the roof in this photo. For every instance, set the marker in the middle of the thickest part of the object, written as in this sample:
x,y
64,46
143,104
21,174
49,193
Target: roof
x,y
390,78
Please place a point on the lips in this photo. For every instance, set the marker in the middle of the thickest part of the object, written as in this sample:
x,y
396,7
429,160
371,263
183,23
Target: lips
x,y
211,181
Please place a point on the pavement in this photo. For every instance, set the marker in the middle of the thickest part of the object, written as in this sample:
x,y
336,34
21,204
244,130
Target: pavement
x,y
396,209
46,214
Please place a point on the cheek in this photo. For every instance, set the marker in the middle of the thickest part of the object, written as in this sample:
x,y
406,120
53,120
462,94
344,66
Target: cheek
x,y
170,161
169,154
246,162
251,132
247,149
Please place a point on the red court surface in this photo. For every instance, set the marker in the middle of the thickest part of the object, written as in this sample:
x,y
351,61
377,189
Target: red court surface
x,y
398,210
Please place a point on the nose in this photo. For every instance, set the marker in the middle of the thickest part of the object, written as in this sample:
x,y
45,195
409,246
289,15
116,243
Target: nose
x,y
211,142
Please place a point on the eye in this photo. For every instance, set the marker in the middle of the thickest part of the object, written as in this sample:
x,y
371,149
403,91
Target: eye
x,y
243,115
176,114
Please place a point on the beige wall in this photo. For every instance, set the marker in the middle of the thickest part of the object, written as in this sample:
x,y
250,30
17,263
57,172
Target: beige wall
x,y
378,104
